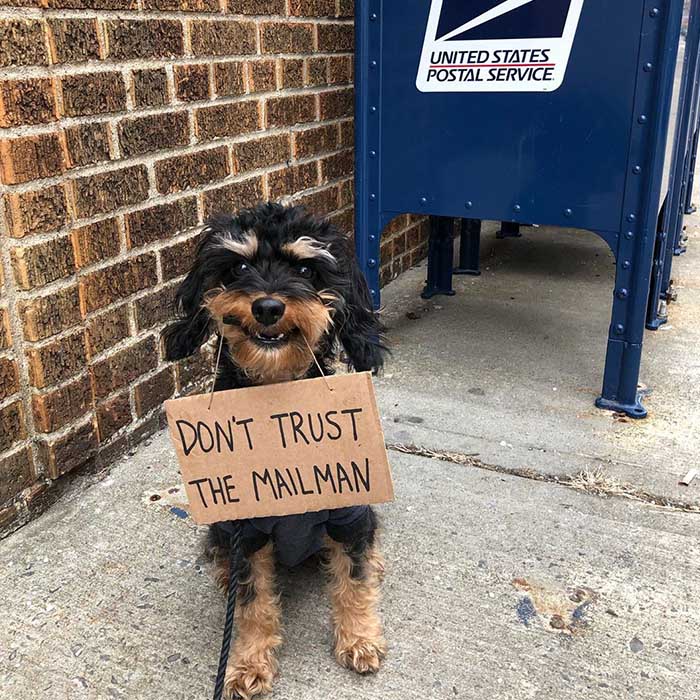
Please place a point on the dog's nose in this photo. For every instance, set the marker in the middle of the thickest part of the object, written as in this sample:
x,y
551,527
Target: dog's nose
x,y
268,310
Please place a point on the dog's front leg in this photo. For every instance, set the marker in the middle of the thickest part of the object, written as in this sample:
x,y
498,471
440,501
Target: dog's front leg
x,y
354,590
253,665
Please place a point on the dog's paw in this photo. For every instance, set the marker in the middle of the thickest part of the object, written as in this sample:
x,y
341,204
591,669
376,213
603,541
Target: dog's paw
x,y
248,680
361,655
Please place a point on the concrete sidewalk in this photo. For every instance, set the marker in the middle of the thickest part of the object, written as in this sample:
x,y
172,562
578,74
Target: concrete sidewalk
x,y
506,577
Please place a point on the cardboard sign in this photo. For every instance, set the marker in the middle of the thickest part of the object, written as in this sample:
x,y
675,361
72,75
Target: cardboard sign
x,y
301,446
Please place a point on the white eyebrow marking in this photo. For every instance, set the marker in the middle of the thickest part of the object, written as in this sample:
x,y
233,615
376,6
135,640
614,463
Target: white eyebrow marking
x,y
307,247
246,247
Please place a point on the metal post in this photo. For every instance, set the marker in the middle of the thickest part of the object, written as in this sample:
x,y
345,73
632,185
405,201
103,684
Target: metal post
x,y
469,248
440,255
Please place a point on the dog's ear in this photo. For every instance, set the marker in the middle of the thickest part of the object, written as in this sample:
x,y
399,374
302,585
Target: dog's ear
x,y
359,329
192,329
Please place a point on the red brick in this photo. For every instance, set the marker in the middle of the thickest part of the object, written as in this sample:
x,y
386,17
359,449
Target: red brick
x,y
182,5
260,153
57,360
335,37
151,393
5,335
57,408
155,308
12,427
316,71
30,158
52,313
292,72
113,414
86,144
228,78
106,330
16,472
386,252
37,265
337,166
286,37
191,170
38,211
219,38
290,110
262,76
122,368
231,198
291,180
314,141
177,259
257,7
161,221
347,133
30,101
320,203
95,242
340,70
91,4
154,38
22,43
93,93
192,369
9,378
70,451
344,221
347,193
227,120
73,40
105,192
346,8
149,88
398,223
154,132
312,8
336,104
192,82
107,285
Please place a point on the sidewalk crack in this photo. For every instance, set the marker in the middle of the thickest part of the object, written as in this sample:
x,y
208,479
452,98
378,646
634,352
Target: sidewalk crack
x,y
592,481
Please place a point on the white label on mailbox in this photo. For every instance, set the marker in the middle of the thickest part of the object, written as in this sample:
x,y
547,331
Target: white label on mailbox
x,y
497,46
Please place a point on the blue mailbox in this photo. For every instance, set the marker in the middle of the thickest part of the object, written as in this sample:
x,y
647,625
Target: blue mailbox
x,y
535,111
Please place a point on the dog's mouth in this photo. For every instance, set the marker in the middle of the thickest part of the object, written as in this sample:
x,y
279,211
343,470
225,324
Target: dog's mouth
x,y
269,339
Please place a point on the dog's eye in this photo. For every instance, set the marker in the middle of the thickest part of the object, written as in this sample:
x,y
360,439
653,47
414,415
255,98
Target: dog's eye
x,y
241,268
305,271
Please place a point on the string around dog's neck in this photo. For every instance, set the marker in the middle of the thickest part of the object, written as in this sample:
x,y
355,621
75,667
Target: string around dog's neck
x,y
216,370
218,362
318,364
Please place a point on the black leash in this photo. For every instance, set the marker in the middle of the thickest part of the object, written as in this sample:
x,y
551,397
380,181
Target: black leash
x,y
230,609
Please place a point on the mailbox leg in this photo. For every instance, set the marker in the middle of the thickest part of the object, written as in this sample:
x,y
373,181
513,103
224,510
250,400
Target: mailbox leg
x,y
509,229
440,257
689,206
621,379
469,247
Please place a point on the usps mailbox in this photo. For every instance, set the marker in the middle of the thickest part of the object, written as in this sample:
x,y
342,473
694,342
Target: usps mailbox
x,y
542,111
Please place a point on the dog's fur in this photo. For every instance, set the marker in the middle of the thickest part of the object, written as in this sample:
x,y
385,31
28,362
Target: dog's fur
x,y
282,253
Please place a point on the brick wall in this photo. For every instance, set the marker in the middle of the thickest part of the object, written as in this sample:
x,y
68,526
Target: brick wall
x,y
123,124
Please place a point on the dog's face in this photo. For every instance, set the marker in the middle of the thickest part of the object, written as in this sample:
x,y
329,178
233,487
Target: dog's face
x,y
274,301
278,285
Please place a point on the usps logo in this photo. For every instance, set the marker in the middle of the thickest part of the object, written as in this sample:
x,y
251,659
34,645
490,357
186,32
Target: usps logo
x,y
497,45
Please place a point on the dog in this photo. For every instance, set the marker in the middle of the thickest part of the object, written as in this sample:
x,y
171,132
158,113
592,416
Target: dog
x,y
279,288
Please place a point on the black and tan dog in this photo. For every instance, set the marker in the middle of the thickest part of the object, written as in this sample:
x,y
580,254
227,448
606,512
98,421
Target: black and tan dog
x,y
276,284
